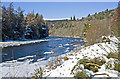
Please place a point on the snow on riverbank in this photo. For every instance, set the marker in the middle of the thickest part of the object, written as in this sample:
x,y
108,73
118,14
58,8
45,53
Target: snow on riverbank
x,y
24,69
89,52
18,43
42,53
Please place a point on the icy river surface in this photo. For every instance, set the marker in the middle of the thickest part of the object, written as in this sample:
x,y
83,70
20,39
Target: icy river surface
x,y
20,61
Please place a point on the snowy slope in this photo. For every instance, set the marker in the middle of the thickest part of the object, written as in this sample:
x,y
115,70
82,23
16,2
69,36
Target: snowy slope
x,y
24,69
90,52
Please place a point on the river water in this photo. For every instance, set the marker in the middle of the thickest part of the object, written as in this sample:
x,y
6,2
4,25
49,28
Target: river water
x,y
56,46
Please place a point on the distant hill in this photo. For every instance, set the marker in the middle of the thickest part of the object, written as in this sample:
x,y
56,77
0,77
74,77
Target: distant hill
x,y
99,23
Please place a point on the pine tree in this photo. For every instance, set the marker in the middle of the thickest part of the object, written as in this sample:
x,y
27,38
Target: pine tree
x,y
15,25
74,18
89,15
20,21
0,23
106,10
71,18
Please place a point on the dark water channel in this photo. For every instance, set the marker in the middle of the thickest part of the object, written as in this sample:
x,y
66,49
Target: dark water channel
x,y
58,45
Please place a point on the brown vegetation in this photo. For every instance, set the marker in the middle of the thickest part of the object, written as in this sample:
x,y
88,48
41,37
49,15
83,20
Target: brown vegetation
x,y
66,58
97,29
115,28
91,27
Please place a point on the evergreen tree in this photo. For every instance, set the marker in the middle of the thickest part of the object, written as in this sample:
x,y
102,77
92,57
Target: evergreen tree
x,y
74,18
106,10
71,18
20,21
0,23
89,15
15,25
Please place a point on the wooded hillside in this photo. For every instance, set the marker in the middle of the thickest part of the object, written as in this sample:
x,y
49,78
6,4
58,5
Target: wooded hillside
x,y
92,28
17,26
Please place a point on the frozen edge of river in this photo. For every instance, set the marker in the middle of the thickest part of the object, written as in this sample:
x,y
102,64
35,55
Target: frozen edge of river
x,y
18,43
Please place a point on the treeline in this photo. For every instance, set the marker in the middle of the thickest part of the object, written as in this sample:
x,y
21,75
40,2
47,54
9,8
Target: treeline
x,y
107,14
16,26
92,27
101,15
97,16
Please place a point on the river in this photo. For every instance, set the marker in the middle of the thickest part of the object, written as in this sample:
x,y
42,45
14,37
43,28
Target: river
x,y
38,53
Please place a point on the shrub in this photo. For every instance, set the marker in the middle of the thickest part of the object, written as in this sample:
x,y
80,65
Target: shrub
x,y
81,74
66,58
105,39
117,66
98,61
38,73
103,60
113,55
82,61
86,26
91,66
108,65
95,69
70,54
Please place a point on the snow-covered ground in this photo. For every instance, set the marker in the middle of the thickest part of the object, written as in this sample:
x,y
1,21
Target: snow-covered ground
x,y
18,43
38,56
26,68
90,52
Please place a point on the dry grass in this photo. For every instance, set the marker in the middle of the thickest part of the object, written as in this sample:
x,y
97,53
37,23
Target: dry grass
x,y
66,58
92,65
97,29
70,54
114,55
81,75
38,73
115,27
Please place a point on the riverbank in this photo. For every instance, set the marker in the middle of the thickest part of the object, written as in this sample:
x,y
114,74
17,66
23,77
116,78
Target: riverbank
x,y
64,65
67,36
18,43
29,57
100,50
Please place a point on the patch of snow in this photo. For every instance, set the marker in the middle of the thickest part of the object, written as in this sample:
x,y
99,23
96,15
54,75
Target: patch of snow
x,y
47,53
44,28
18,43
66,44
